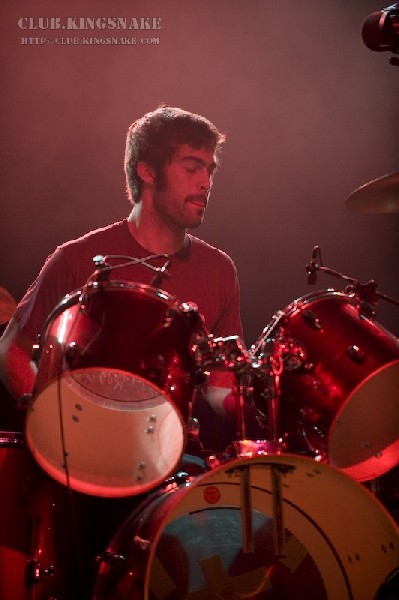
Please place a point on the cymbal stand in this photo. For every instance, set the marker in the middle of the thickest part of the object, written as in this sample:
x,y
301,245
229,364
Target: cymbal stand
x,y
239,393
273,409
366,292
268,365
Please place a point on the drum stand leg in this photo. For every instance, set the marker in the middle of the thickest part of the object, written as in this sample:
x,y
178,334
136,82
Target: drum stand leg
x,y
278,517
248,544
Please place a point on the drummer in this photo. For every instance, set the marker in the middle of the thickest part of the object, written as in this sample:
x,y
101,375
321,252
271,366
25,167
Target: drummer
x,y
170,163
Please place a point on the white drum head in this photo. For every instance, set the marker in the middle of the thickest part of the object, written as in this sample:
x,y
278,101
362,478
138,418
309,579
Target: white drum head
x,y
364,438
105,432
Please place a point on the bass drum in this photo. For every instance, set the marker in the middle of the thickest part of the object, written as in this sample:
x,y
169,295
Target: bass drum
x,y
113,390
340,382
187,542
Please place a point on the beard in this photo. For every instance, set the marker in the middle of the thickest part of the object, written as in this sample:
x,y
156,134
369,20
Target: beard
x,y
183,212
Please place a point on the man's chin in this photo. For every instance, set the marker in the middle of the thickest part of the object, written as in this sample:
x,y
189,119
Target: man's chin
x,y
195,224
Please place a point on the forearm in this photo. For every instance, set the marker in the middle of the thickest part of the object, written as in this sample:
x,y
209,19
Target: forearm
x,y
17,370
221,399
235,411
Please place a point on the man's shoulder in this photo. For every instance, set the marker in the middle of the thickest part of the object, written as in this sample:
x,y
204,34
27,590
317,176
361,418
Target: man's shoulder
x,y
204,249
108,232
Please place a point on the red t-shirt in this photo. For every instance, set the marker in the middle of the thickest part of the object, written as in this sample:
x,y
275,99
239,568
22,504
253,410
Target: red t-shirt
x,y
199,273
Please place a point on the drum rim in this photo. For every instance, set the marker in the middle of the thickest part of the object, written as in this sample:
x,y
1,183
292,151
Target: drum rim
x,y
131,285
76,295
298,305
306,299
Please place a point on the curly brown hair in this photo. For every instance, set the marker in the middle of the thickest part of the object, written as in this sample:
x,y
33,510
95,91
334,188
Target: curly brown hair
x,y
154,138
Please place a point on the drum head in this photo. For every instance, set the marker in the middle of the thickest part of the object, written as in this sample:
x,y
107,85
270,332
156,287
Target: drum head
x,y
364,438
339,542
86,431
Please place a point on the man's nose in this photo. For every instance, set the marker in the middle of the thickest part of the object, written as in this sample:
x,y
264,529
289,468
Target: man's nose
x,y
205,182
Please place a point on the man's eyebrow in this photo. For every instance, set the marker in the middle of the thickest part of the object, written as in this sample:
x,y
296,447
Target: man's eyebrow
x,y
199,161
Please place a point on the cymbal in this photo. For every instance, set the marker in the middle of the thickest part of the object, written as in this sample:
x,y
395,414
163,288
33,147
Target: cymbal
x,y
7,306
377,196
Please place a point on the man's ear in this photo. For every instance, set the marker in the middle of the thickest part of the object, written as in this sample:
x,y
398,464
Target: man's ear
x,y
145,172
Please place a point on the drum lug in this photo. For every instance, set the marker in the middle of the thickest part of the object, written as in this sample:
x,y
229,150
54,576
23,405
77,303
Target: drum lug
x,y
36,350
357,355
312,319
72,354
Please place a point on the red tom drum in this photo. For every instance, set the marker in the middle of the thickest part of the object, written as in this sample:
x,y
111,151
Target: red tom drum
x,y
340,380
113,390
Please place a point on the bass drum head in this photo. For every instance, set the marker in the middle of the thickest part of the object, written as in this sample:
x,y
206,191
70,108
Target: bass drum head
x,y
188,542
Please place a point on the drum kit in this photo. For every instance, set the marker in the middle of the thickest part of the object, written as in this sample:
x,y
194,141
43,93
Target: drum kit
x,y
290,515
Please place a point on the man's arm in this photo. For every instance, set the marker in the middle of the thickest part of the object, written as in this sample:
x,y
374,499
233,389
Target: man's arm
x,y
219,393
17,370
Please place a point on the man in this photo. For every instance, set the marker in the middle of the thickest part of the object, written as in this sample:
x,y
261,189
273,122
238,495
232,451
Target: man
x,y
170,162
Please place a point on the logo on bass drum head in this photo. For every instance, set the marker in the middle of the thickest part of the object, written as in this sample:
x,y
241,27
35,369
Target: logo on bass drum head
x,y
199,556
211,494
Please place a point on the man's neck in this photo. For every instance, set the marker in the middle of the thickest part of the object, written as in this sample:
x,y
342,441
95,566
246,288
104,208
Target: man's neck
x,y
152,235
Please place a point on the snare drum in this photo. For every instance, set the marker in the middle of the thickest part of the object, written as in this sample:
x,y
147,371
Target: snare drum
x,y
187,541
113,390
340,381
